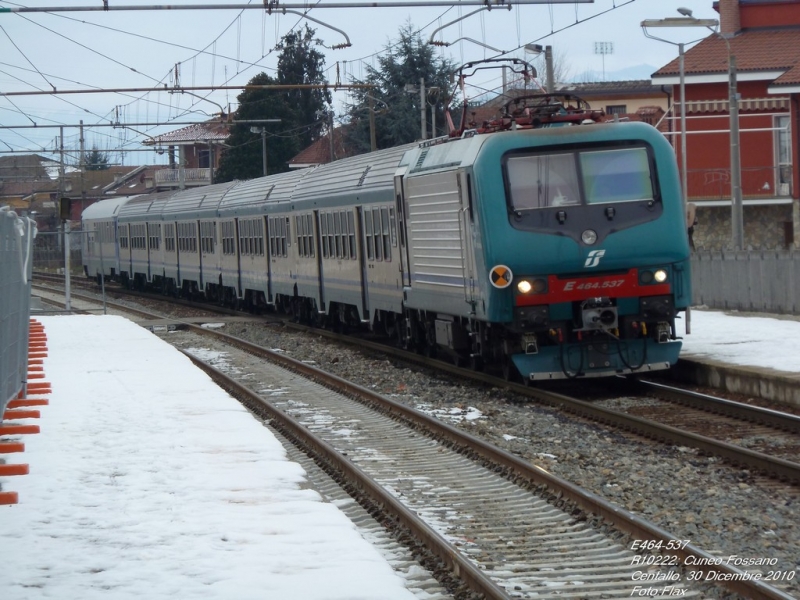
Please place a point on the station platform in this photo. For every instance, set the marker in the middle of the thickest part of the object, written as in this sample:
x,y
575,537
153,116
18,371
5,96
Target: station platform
x,y
141,478
746,353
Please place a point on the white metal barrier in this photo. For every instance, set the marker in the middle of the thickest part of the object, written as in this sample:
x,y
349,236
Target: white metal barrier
x,y
16,268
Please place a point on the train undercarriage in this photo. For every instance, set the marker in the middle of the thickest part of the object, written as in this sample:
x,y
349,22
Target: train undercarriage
x,y
595,341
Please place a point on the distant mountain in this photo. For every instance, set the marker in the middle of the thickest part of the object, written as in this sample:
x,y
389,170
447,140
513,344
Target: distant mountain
x,y
631,73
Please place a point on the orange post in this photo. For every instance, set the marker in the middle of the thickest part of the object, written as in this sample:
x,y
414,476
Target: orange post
x,y
9,497
11,415
24,402
8,470
18,429
9,447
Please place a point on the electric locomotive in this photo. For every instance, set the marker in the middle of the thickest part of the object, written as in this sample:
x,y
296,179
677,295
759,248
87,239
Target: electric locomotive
x,y
543,243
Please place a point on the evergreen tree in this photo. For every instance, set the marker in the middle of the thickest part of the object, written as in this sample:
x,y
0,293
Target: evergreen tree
x,y
301,112
96,160
404,62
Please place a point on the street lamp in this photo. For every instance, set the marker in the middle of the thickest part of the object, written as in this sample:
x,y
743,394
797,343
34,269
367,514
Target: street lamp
x,y
263,132
687,20
548,63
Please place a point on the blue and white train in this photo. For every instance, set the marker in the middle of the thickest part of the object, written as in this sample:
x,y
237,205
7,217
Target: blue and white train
x,y
551,253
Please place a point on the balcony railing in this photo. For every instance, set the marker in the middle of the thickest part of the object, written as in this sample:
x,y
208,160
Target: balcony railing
x,y
757,182
171,177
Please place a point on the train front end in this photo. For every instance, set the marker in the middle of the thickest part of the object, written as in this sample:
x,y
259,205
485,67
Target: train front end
x,y
587,259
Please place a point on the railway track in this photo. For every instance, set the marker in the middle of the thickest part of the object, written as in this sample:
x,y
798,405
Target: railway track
x,y
563,498
485,512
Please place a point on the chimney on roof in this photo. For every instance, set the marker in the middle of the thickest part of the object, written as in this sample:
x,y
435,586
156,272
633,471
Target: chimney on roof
x,y
730,21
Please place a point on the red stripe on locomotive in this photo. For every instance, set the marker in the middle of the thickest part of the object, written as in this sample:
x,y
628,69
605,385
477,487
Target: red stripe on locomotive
x,y
623,285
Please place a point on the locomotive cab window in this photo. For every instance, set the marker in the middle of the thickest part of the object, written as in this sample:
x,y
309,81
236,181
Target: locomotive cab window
x,y
542,181
616,175
586,176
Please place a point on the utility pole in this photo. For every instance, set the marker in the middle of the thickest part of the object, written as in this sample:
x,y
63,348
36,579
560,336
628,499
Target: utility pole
x,y
548,61
330,135
373,142
737,213
82,167
422,105
61,175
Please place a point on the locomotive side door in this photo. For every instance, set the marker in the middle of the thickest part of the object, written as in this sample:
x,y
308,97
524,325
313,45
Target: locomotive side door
x,y
438,246
467,229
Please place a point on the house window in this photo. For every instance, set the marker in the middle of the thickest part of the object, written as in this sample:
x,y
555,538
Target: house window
x,y
616,109
783,155
204,159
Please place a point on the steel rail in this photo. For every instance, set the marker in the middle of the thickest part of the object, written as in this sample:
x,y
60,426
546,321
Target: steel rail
x,y
757,414
516,468
773,466
456,562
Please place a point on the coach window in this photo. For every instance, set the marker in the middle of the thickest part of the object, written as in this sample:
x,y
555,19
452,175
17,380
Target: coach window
x,y
337,228
155,236
368,234
351,234
376,229
392,226
323,234
193,237
169,237
616,175
387,244
307,224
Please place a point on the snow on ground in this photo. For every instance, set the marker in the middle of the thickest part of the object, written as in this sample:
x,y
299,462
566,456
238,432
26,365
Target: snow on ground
x,y
148,481
756,341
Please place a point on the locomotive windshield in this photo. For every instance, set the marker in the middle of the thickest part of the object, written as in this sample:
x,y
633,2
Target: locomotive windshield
x,y
580,177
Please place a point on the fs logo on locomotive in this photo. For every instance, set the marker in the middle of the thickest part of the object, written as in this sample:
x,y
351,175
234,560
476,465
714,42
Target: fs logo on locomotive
x,y
594,258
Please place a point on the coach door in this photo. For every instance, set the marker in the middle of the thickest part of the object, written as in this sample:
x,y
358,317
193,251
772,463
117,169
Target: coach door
x,y
362,261
317,243
403,231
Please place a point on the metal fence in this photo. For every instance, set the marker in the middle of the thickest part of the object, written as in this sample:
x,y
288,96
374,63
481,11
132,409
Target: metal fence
x,y
16,266
747,281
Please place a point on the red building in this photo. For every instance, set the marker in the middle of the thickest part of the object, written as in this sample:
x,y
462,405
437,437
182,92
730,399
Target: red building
x,y
763,38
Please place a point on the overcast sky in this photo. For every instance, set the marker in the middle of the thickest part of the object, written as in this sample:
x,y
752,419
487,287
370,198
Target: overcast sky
x,y
141,48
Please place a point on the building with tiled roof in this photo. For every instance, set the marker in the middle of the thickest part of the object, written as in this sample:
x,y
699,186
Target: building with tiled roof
x,y
199,150
763,36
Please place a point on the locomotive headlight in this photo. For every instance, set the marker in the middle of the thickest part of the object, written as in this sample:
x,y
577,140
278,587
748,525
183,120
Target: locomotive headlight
x,y
589,237
532,286
660,276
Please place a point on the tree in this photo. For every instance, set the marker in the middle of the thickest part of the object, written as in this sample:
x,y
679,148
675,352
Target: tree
x,y
403,63
96,160
301,112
